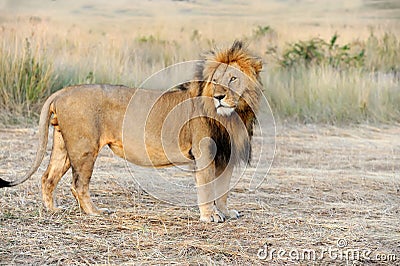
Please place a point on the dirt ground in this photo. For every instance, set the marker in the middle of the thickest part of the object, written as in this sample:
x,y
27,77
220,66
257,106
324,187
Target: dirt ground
x,y
332,196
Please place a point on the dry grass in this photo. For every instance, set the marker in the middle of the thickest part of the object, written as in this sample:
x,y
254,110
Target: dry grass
x,y
326,184
117,43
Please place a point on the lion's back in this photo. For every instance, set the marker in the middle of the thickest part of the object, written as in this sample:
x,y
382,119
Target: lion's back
x,y
92,111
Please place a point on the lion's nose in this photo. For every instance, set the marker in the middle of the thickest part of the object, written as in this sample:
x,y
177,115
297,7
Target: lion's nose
x,y
219,97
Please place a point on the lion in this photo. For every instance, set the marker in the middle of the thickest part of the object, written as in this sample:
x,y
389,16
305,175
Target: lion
x,y
221,106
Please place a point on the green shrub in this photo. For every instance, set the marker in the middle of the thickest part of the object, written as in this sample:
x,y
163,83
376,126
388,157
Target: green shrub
x,y
319,52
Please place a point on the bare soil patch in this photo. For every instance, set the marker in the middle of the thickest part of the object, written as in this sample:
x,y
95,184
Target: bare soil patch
x,y
329,188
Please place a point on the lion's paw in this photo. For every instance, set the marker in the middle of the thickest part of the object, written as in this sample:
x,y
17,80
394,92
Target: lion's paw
x,y
233,214
101,211
215,217
230,214
106,211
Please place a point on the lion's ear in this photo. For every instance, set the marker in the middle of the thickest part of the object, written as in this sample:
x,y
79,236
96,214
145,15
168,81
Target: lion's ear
x,y
257,64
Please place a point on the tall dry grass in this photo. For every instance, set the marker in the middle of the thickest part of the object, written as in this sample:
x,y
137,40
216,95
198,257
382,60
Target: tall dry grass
x,y
324,94
38,58
25,77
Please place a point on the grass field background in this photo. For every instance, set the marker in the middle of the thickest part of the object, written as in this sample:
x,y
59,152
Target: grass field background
x,y
47,45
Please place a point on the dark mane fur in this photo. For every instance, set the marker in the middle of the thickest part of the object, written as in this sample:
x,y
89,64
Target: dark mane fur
x,y
221,137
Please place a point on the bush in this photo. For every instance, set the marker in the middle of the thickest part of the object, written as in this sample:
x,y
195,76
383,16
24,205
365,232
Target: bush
x,y
319,52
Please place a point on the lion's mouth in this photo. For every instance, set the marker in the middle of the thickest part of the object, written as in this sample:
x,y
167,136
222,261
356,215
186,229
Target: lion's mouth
x,y
224,110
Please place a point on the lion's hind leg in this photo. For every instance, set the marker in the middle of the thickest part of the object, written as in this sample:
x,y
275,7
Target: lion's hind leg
x,y
83,156
81,174
58,166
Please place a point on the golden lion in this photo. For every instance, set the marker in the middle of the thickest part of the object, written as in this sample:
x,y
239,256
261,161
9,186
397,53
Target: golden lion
x,y
216,137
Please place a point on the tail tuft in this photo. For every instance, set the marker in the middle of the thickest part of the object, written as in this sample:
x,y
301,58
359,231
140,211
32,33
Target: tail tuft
x,y
4,183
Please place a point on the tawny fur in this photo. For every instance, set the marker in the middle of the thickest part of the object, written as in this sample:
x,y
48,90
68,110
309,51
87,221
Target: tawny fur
x,y
87,117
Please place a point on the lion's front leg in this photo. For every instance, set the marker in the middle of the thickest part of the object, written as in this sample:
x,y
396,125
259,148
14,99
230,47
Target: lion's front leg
x,y
206,196
205,181
213,190
224,176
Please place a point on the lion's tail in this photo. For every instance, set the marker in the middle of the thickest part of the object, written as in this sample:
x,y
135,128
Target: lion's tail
x,y
45,115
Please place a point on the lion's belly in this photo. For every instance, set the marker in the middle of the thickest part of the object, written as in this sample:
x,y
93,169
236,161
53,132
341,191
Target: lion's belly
x,y
152,134
153,156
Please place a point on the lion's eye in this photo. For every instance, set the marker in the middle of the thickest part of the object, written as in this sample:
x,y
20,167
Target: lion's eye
x,y
232,79
214,80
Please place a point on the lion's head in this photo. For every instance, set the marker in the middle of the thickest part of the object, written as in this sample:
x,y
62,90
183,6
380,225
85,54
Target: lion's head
x,y
231,79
